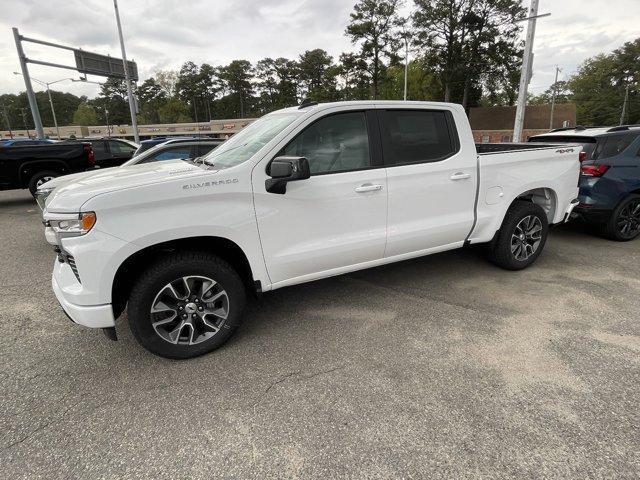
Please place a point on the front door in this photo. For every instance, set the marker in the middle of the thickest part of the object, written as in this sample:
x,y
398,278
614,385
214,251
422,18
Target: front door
x,y
335,219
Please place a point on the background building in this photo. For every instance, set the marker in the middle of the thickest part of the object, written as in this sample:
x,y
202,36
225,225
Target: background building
x,y
495,124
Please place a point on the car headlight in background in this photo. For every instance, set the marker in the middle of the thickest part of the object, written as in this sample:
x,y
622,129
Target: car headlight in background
x,y
41,196
71,225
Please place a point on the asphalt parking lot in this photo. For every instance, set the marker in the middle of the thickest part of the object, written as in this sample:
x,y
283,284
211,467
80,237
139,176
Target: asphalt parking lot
x,y
441,367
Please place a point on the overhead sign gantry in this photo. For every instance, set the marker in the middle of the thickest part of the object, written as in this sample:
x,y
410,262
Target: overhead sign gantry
x,y
86,63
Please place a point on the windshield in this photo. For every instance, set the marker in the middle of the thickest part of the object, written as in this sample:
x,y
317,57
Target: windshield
x,y
248,141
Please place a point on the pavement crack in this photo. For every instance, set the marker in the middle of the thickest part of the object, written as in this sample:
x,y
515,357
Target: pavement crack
x,y
289,375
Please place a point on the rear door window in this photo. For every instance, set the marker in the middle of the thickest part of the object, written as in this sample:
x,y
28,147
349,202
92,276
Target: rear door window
x,y
417,136
613,145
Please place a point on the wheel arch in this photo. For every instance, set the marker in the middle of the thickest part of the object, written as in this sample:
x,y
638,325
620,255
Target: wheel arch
x,y
29,169
130,270
545,197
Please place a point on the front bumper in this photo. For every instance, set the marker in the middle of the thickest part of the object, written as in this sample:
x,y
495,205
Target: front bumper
x,y
94,316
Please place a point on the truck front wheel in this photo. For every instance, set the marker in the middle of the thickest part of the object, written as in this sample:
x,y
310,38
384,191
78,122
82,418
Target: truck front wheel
x,y
186,305
521,238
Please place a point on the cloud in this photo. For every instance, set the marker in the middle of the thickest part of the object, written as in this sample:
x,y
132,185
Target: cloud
x,y
162,34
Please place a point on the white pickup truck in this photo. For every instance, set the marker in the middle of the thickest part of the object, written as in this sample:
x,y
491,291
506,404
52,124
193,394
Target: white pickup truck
x,y
301,194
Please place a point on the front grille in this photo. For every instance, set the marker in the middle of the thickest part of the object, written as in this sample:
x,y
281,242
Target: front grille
x,y
66,257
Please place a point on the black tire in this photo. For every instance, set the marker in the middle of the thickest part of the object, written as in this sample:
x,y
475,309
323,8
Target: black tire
x,y
174,267
625,213
36,180
501,252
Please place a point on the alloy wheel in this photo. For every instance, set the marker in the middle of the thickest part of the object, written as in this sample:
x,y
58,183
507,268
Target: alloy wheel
x,y
526,237
189,310
628,221
43,180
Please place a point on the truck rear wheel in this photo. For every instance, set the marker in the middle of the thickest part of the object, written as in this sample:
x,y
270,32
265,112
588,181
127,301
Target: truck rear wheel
x,y
521,238
40,178
186,305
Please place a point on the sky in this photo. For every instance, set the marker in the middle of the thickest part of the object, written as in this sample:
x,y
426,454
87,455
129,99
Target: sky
x,y
162,34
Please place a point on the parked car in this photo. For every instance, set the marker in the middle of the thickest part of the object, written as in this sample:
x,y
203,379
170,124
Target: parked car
x,y
25,141
152,142
298,195
610,177
111,152
30,166
169,150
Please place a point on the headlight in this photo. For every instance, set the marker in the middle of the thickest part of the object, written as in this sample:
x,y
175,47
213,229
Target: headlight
x,y
71,225
41,196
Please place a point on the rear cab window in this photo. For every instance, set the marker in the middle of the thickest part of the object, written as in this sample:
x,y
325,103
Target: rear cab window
x,y
417,136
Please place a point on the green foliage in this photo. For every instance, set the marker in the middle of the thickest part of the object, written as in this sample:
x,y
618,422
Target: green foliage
x,y
598,88
375,26
173,111
317,76
85,115
472,45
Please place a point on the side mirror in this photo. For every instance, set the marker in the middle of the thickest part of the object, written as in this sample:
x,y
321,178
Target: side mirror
x,y
283,170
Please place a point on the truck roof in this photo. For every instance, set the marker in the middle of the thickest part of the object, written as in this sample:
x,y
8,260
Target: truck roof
x,y
367,103
588,131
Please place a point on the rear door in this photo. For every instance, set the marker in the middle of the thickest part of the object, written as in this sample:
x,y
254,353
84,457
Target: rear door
x,y
432,181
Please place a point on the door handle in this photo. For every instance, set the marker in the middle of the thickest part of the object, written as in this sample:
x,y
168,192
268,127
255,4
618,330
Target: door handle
x,y
368,187
460,176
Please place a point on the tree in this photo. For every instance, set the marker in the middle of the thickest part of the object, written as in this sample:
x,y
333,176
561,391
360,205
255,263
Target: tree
x,y
113,97
355,78
151,97
470,44
276,83
375,24
235,80
196,87
174,111
598,88
85,115
317,75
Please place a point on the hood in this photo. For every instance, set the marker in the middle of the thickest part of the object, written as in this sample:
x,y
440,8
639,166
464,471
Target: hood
x,y
65,179
70,196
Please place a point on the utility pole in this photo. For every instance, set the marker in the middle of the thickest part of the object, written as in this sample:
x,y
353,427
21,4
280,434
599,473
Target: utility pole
x,y
6,119
406,63
624,106
27,83
553,97
24,120
132,104
525,73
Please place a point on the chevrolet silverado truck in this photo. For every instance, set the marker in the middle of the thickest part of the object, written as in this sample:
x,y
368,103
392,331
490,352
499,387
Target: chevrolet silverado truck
x,y
301,194
30,166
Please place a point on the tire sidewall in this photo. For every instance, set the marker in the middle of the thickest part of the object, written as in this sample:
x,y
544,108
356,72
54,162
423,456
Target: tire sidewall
x,y
522,210
150,284
34,180
612,229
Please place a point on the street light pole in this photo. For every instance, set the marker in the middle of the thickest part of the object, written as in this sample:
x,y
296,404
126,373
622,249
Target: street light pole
x,y
53,111
553,97
132,105
525,73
